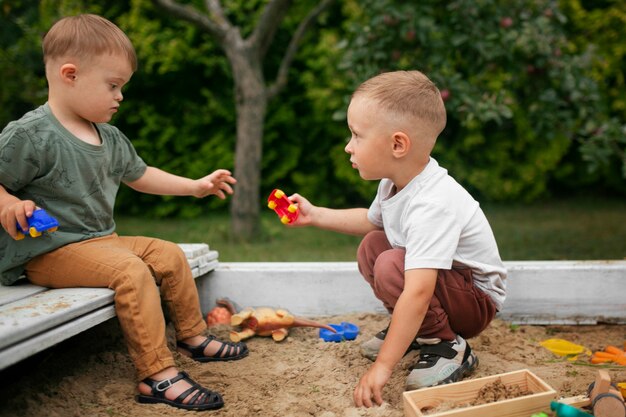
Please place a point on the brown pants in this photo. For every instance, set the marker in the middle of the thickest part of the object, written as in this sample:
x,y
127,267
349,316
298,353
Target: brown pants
x,y
135,268
457,306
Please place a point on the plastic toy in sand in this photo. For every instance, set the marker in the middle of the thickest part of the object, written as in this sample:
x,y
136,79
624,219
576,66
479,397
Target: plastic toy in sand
x,y
566,348
565,410
284,208
611,354
344,331
267,321
38,223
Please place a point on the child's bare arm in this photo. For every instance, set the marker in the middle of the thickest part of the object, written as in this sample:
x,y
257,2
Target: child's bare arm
x,y
13,210
408,314
350,221
407,317
157,181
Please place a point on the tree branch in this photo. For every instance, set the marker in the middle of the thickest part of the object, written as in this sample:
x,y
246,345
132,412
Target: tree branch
x,y
267,26
283,71
217,14
216,25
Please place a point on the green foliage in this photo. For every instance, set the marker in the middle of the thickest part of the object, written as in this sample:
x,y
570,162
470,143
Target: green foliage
x,y
178,109
23,82
601,28
524,100
519,94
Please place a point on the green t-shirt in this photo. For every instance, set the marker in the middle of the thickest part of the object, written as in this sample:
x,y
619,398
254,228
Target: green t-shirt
x,y
74,181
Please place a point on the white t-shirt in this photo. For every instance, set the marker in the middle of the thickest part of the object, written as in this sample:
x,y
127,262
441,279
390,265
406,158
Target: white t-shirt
x,y
440,226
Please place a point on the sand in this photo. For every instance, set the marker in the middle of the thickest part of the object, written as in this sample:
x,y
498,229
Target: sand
x,y
91,374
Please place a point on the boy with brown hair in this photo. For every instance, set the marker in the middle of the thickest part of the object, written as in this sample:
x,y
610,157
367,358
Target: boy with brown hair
x,y
66,158
428,251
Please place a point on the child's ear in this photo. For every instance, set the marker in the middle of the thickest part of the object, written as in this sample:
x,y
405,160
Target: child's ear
x,y
401,144
68,73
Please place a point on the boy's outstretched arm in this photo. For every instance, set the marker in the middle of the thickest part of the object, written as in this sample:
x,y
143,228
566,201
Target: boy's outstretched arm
x,y
13,210
349,221
157,181
407,318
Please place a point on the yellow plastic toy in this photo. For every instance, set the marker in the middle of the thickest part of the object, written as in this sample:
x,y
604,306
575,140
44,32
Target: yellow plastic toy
x,y
566,348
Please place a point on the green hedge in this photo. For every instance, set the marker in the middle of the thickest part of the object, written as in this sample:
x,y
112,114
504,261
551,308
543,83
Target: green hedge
x,y
533,90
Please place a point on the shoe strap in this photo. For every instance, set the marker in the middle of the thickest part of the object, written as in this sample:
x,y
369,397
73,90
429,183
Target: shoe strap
x,y
382,334
196,350
415,344
158,388
231,349
428,340
467,353
202,395
443,349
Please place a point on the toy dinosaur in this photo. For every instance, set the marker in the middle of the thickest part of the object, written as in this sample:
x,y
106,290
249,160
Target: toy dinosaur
x,y
265,321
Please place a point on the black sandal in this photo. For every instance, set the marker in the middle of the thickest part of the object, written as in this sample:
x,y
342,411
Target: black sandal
x,y
203,399
197,352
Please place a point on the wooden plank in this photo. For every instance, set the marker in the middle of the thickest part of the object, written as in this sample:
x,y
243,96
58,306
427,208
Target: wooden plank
x,y
304,288
203,259
565,292
539,292
51,337
36,309
193,250
23,289
33,318
27,317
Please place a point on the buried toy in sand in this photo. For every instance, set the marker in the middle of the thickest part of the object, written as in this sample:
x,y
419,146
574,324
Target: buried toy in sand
x,y
264,321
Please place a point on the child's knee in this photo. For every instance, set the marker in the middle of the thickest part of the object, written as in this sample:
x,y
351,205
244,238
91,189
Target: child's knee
x,y
390,264
372,238
173,254
132,271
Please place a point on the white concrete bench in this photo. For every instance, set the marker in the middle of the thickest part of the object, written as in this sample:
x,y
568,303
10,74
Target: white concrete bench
x,y
33,318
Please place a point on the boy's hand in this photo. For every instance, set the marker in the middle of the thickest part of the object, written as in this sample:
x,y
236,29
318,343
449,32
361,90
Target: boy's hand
x,y
305,208
18,211
217,183
370,386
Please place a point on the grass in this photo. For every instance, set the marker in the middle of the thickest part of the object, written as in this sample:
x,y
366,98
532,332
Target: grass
x,y
572,229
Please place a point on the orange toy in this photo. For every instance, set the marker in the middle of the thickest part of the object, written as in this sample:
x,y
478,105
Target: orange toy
x,y
266,321
221,314
610,354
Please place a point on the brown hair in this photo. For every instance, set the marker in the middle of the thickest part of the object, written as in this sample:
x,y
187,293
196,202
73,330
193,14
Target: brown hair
x,y
407,93
85,36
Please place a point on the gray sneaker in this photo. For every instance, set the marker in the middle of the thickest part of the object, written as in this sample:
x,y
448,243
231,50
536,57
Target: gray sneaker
x,y
442,363
371,348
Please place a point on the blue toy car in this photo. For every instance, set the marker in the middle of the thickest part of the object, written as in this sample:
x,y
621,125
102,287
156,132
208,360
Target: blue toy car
x,y
38,223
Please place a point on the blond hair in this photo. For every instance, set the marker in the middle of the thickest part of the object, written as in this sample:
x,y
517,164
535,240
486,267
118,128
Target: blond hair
x,y
85,36
407,93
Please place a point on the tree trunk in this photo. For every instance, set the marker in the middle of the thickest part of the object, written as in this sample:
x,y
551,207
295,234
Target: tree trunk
x,y
251,105
251,92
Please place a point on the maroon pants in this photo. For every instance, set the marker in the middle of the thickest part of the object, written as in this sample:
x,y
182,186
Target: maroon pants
x,y
457,306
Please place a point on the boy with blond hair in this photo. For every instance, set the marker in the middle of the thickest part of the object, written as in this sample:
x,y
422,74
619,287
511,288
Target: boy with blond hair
x,y
66,158
428,251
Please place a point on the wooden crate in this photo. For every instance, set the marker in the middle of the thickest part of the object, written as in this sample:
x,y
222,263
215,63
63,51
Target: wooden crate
x,y
418,403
